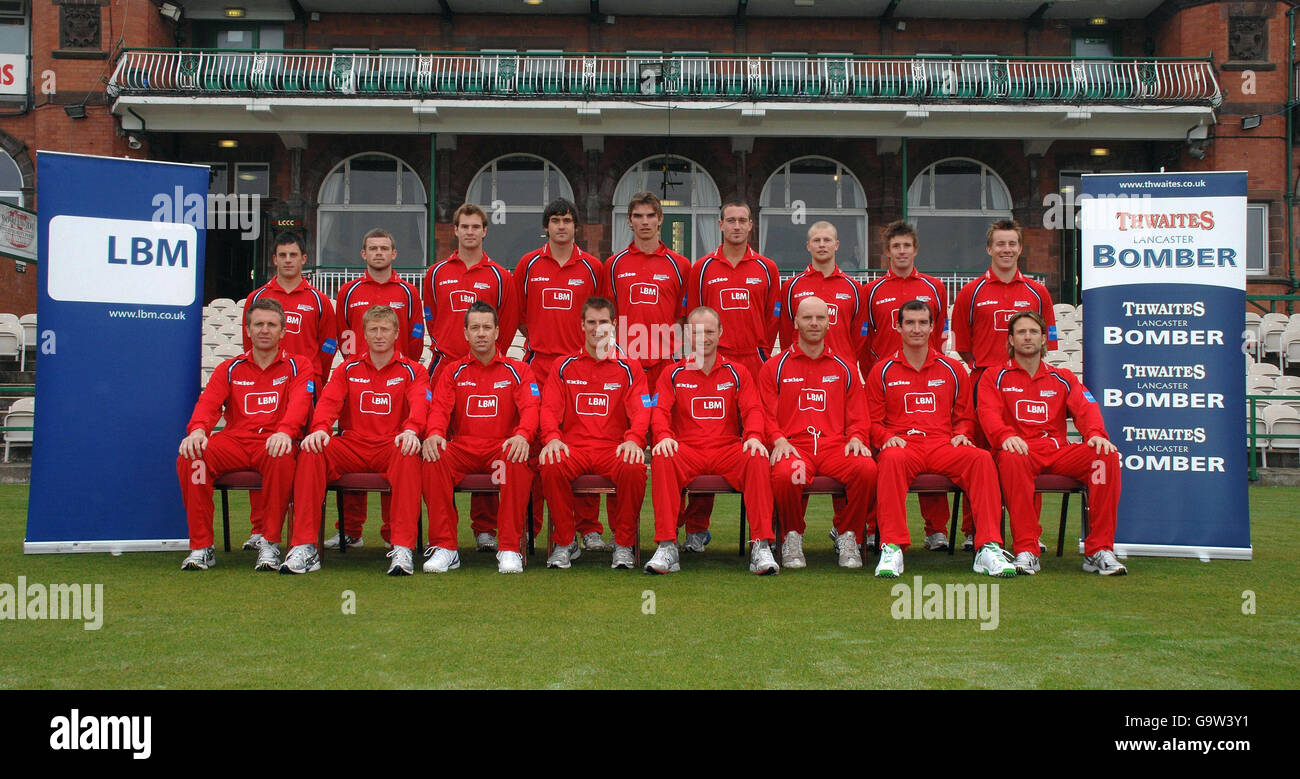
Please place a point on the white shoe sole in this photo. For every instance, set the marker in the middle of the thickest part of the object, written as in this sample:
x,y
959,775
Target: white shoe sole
x,y
284,568
1001,573
431,569
796,562
771,570
674,568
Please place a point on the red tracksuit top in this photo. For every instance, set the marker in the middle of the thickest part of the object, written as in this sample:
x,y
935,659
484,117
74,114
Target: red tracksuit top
x,y
377,404
985,306
450,287
800,392
707,410
257,402
883,297
551,298
1013,403
842,296
309,327
745,297
588,401
649,290
357,296
491,402
935,400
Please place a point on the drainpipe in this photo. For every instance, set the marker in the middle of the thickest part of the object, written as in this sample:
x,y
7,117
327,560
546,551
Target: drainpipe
x,y
1289,195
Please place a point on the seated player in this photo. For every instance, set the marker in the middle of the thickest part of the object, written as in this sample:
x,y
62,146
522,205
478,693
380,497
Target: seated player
x,y
817,419
704,406
1022,407
266,395
387,397
486,404
594,417
922,422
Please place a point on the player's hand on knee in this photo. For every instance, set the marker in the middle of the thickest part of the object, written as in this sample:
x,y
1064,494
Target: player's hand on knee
x,y
192,445
895,441
629,452
856,447
316,442
434,446
279,444
667,447
407,442
1015,444
553,452
1101,445
516,448
781,449
754,447
961,440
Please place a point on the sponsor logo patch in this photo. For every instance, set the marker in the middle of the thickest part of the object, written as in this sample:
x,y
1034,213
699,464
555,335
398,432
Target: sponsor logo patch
x,y
708,408
261,403
481,406
1031,411
376,402
812,399
591,404
919,403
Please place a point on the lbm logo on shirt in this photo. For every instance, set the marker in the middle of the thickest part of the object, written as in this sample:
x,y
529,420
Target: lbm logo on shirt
x,y
919,402
708,408
647,294
376,402
261,402
292,322
592,404
834,312
461,300
481,406
812,399
1031,411
557,298
734,298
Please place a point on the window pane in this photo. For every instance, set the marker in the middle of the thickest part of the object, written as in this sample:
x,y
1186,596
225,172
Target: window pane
x,y
997,197
218,179
521,233
774,192
12,198
372,180
784,242
412,189
341,233
952,242
10,176
331,192
13,37
480,189
519,181
235,39
919,195
815,182
1256,230
271,37
253,180
957,186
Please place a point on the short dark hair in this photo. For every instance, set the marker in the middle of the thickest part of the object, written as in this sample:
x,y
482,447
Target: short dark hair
x,y
915,305
468,209
559,207
481,307
1004,224
645,199
263,304
379,232
287,237
897,228
1011,329
735,204
595,301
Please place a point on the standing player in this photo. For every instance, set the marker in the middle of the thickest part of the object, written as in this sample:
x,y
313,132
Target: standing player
x,y
922,420
378,286
1023,406
487,405
882,298
449,288
705,405
549,282
265,395
387,395
594,417
309,328
818,422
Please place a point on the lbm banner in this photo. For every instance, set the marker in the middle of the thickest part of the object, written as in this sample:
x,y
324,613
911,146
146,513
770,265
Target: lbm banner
x,y
120,277
1164,298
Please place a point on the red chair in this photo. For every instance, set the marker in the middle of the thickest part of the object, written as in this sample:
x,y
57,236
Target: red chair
x,y
362,483
717,485
235,480
590,484
820,485
482,484
1064,486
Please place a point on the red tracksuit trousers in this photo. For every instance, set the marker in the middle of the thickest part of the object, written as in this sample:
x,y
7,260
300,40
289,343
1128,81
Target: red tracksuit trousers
x,y
227,453
745,472
347,455
825,458
473,455
969,466
629,480
1078,461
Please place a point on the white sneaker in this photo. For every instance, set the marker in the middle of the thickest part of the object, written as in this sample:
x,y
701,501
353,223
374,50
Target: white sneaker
x,y
301,559
1105,563
563,556
1027,563
665,559
891,562
402,564
792,551
695,542
510,562
847,546
968,544
333,541
993,561
200,559
441,560
761,560
623,558
485,542
592,542
268,556
937,542
254,542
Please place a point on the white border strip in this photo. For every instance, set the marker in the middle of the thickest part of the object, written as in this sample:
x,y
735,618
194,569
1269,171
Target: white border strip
x,y
1202,553
112,547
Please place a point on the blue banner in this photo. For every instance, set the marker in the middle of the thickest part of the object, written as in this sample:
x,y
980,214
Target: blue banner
x,y
120,279
1164,297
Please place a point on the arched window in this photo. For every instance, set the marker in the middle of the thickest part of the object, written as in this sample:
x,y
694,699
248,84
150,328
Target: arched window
x,y
689,198
11,181
514,191
367,191
808,190
951,205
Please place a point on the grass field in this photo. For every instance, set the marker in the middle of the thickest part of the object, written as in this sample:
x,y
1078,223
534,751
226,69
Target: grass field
x,y
1172,623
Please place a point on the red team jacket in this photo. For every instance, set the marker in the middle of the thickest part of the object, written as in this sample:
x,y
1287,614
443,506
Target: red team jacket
x,y
746,297
710,410
647,289
551,298
1013,403
448,290
357,296
491,402
985,306
935,400
257,402
376,404
883,297
596,401
309,327
799,392
842,296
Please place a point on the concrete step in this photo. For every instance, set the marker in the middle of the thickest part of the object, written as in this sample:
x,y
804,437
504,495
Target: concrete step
x,y
17,471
